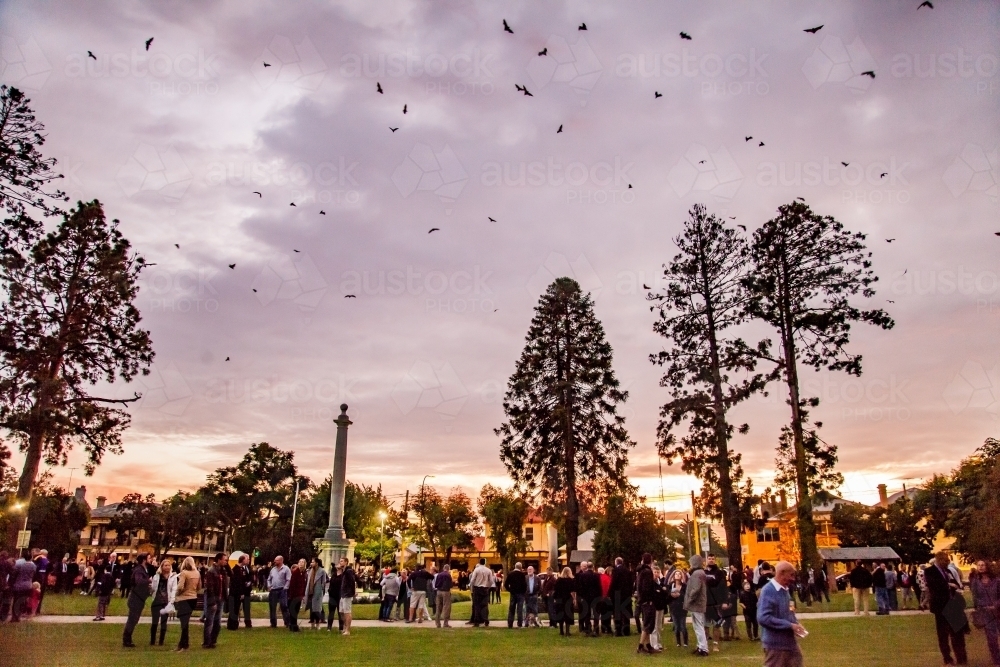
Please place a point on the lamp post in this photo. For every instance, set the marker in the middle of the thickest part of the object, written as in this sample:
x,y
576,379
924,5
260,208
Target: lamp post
x,y
381,542
295,509
423,482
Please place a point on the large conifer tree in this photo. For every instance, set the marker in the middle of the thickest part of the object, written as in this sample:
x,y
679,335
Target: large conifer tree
x,y
563,427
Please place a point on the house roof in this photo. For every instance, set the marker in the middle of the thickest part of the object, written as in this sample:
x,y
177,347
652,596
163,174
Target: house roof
x,y
817,507
911,494
858,553
105,512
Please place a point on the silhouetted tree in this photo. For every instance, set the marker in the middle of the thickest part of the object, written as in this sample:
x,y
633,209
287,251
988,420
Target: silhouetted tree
x,y
806,268
505,512
562,424
705,297
68,323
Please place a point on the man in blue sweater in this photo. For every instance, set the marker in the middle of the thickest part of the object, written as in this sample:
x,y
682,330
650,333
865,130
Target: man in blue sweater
x,y
778,624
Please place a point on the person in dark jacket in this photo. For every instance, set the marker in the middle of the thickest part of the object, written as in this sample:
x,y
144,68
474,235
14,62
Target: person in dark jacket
x,y
240,589
138,593
588,596
105,588
881,590
861,581
676,589
296,593
215,592
517,585
548,591
563,601
348,589
333,598
942,586
645,586
748,598
6,581
718,595
622,585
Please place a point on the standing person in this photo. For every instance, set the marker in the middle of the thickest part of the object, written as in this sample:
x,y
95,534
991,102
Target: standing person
x,y
104,586
215,593
42,567
718,595
986,602
822,583
497,584
138,592
390,591
418,593
333,598
607,607
645,585
879,583
777,620
23,577
240,594
188,583
548,591
891,584
588,597
532,587
442,594
942,586
748,598
481,581
622,585
517,585
861,581
696,603
906,584
6,581
563,601
296,593
315,587
89,574
676,589
431,599
278,580
348,589
403,600
125,582
163,589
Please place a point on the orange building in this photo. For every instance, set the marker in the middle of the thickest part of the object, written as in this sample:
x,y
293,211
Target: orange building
x,y
778,539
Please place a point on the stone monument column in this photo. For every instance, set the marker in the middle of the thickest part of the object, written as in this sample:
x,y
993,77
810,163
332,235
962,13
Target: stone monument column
x,y
335,545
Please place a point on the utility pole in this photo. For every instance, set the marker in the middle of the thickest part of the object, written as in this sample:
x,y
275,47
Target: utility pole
x,y
694,525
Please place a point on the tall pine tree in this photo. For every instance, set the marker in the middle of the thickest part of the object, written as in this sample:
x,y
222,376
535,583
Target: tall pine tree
x,y
806,267
563,426
68,323
704,299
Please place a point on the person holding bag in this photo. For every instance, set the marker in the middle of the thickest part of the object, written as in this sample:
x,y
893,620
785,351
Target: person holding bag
x,y
948,607
986,602
163,588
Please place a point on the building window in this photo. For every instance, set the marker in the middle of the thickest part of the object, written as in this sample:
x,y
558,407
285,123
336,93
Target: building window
x,y
529,533
768,534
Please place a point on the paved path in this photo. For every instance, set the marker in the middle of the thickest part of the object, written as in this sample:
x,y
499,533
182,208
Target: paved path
x,y
262,622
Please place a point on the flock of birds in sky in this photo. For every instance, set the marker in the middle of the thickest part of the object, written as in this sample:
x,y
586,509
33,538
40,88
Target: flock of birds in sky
x,y
524,91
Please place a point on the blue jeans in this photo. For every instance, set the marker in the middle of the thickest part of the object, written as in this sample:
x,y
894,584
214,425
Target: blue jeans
x,y
278,597
882,600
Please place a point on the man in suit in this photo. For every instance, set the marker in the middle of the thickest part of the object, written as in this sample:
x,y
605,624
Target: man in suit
x,y
517,585
588,591
779,626
533,586
622,585
942,586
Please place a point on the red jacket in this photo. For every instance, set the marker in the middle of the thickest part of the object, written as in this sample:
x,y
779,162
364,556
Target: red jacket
x,y
605,584
297,584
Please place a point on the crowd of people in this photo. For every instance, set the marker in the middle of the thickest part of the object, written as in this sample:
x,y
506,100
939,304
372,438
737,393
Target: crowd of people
x,y
599,601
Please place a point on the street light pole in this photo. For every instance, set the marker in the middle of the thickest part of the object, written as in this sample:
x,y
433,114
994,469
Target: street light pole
x,y
295,508
423,483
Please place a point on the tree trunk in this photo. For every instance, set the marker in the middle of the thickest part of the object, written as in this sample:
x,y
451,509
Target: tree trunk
x,y
572,525
730,509
808,550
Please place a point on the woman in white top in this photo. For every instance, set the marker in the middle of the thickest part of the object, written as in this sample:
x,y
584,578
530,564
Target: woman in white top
x,y
163,588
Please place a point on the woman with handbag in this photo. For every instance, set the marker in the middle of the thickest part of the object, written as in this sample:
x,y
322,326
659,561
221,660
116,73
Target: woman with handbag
x,y
163,588
986,603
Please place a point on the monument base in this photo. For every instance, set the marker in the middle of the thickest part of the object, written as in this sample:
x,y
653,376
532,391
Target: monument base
x,y
331,551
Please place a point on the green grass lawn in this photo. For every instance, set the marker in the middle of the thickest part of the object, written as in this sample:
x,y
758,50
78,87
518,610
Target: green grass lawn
x,y
80,605
870,642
